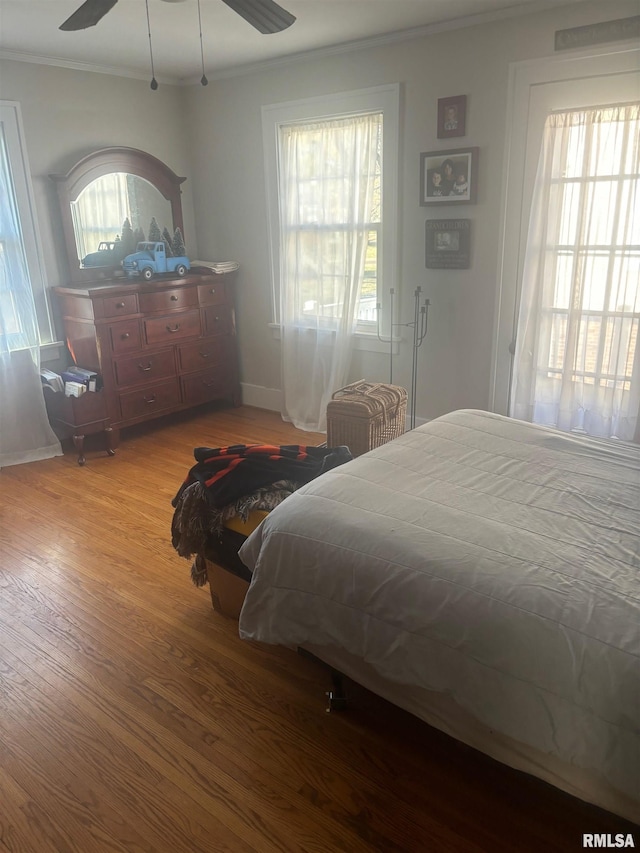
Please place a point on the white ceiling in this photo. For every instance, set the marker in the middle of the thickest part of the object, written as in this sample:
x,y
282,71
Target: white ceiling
x,y
120,41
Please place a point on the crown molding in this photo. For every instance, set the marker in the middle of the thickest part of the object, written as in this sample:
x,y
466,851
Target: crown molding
x,y
302,56
384,39
72,65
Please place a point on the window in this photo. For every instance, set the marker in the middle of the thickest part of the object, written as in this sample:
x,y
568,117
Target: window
x,y
326,167
597,268
577,356
22,281
331,166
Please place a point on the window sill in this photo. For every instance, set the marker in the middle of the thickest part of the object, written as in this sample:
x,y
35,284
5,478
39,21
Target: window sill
x,y
51,352
363,341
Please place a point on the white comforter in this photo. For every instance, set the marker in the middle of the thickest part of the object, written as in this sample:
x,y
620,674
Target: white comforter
x,y
493,560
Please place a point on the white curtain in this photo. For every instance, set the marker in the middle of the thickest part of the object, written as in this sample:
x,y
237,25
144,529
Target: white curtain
x,y
25,434
577,357
327,173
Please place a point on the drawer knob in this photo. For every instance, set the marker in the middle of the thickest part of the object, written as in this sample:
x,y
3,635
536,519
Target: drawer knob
x,y
174,298
217,319
173,328
120,305
150,399
125,336
212,291
205,354
142,367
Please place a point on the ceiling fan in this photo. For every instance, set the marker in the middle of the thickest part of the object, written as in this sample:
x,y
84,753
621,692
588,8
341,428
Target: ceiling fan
x,y
265,15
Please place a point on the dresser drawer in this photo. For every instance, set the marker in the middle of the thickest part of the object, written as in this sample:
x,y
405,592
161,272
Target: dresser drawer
x,y
124,336
84,411
202,387
120,306
144,367
173,327
147,401
212,294
166,300
218,320
209,352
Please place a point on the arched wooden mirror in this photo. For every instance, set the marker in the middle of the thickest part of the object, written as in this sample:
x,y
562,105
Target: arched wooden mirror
x,y
102,191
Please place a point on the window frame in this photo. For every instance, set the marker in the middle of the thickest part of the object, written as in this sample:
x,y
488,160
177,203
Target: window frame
x,y
11,120
383,99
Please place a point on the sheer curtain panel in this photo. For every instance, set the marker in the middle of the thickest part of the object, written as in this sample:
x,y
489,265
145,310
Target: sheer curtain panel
x,y
577,358
25,434
328,170
100,211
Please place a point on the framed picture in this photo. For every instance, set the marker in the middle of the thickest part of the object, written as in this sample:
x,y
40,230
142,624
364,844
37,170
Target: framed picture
x,y
448,244
449,177
452,116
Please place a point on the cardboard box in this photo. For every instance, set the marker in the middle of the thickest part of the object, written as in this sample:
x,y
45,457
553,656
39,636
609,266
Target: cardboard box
x,y
227,590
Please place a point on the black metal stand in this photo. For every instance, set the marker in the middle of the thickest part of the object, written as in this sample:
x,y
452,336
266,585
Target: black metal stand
x,y
419,326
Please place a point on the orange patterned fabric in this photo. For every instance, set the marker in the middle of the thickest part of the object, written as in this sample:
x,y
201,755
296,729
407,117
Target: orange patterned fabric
x,y
228,473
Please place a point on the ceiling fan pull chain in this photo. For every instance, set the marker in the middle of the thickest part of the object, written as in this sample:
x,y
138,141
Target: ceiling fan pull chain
x,y
154,82
203,79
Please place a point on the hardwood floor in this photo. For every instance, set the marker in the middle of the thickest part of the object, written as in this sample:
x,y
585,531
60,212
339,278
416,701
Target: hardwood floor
x,y
133,718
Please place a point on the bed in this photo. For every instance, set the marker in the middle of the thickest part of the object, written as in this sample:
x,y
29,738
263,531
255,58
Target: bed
x,y
484,574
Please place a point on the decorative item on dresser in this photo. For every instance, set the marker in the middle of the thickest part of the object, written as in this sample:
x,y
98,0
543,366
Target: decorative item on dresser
x,y
160,346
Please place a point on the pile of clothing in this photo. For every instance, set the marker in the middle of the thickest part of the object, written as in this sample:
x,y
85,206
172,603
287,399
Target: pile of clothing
x,y
238,482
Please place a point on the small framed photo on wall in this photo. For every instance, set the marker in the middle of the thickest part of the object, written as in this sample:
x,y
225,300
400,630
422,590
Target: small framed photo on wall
x,y
447,245
452,116
449,177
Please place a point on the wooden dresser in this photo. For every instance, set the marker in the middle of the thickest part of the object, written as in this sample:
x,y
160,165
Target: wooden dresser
x,y
160,346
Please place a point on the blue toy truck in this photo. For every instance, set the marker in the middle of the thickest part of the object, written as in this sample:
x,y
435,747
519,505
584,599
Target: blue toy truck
x,y
149,259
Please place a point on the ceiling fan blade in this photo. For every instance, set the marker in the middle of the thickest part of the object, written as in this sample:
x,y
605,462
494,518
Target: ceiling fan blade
x,y
265,15
88,14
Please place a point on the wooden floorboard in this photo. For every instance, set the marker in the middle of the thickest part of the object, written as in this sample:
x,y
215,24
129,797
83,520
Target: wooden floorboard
x,y
133,718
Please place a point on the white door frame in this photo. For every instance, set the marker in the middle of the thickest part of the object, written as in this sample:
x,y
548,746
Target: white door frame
x,y
522,145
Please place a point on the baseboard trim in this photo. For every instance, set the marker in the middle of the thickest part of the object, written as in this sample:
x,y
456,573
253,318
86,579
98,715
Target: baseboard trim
x,y
261,397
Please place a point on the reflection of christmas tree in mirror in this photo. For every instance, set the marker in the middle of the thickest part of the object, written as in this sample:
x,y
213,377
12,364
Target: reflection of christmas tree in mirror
x,y
128,240
155,234
168,242
178,243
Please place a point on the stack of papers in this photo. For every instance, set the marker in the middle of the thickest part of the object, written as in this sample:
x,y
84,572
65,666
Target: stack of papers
x,y
51,380
217,266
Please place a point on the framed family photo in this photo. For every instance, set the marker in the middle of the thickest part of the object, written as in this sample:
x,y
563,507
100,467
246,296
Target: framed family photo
x,y
452,116
447,245
449,177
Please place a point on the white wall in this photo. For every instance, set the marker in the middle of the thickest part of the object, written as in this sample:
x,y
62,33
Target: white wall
x,y
230,206
213,136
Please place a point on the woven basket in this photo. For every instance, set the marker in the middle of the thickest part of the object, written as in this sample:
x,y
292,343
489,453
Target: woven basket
x,y
364,415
